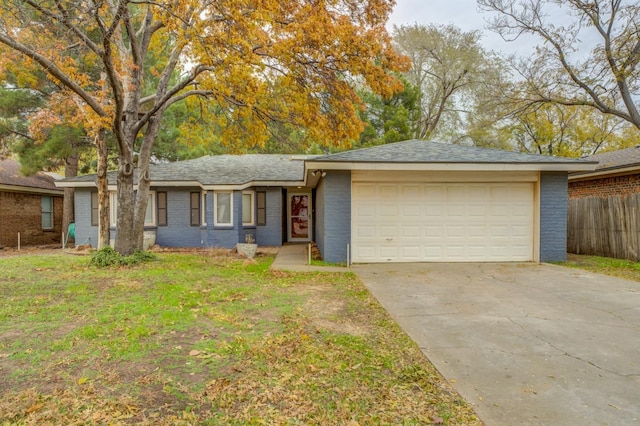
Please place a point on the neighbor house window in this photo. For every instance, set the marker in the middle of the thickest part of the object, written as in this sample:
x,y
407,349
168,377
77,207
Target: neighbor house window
x,y
223,207
149,218
195,209
261,208
248,218
161,202
94,209
47,212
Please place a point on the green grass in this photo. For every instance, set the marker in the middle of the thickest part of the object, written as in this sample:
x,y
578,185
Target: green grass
x,y
605,265
324,263
202,339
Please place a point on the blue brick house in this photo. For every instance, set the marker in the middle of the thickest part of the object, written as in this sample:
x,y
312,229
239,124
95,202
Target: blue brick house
x,y
412,201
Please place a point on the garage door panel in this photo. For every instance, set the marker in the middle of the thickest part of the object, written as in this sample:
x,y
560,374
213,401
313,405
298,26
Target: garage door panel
x,y
442,221
388,231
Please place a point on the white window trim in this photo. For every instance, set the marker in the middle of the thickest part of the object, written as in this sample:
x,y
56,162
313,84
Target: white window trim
x,y
252,222
203,208
113,208
50,213
215,208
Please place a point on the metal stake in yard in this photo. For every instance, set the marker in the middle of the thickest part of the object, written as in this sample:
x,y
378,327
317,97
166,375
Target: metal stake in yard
x,y
18,241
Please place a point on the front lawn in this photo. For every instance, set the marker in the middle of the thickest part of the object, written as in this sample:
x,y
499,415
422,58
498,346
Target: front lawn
x,y
197,338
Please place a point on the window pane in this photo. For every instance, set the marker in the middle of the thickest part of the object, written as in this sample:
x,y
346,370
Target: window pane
x,y
47,213
247,209
148,216
223,207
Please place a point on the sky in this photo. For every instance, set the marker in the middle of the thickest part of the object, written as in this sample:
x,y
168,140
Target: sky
x,y
462,13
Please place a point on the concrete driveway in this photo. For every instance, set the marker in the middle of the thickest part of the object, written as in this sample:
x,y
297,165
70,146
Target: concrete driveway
x,y
523,343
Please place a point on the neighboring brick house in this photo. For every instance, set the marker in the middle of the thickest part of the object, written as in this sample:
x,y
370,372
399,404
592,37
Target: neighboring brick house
x,y
603,209
617,173
30,206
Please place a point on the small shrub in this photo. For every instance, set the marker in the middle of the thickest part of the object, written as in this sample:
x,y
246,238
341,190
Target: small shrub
x,y
107,256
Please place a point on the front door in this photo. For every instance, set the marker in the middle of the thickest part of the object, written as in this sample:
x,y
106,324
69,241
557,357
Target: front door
x,y
299,223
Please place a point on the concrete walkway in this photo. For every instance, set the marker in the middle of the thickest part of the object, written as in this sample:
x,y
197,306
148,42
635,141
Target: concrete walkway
x,y
525,344
295,257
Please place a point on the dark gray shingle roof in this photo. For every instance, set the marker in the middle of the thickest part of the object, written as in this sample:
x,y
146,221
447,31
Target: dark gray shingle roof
x,y
10,175
617,159
223,170
419,151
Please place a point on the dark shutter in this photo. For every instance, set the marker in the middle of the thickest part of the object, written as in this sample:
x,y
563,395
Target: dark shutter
x,y
195,209
161,202
261,204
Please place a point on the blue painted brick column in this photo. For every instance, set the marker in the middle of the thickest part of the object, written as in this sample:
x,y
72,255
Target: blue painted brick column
x,y
336,215
553,216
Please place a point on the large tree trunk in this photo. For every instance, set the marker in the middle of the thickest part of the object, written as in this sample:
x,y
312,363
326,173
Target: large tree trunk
x,y
125,230
125,242
103,192
70,171
142,196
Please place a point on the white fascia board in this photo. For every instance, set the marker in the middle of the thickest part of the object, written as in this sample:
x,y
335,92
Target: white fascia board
x,y
30,190
601,173
175,183
83,184
253,184
191,184
543,167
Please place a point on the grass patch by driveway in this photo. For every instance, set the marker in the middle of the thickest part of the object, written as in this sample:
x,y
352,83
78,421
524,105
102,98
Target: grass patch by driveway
x,y
199,339
620,268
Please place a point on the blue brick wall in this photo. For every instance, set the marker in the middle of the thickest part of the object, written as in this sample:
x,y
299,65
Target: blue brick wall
x,y
319,216
178,232
334,215
271,233
553,216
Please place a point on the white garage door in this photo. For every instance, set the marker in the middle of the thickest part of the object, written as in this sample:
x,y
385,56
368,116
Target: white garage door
x,y
442,222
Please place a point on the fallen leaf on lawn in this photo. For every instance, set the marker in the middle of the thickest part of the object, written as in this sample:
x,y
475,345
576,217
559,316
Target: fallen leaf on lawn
x,y
195,352
34,407
82,380
437,420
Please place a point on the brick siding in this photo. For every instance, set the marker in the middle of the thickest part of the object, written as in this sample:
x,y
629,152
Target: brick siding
x,y
553,216
605,187
22,212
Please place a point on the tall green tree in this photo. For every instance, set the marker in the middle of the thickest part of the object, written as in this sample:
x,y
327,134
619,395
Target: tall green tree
x,y
391,119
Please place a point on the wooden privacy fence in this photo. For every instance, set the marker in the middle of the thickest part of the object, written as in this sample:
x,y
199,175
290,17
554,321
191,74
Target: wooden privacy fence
x,y
605,226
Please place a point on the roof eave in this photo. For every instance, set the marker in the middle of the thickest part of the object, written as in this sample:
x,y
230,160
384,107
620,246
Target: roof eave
x,y
615,171
442,166
30,189
193,183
